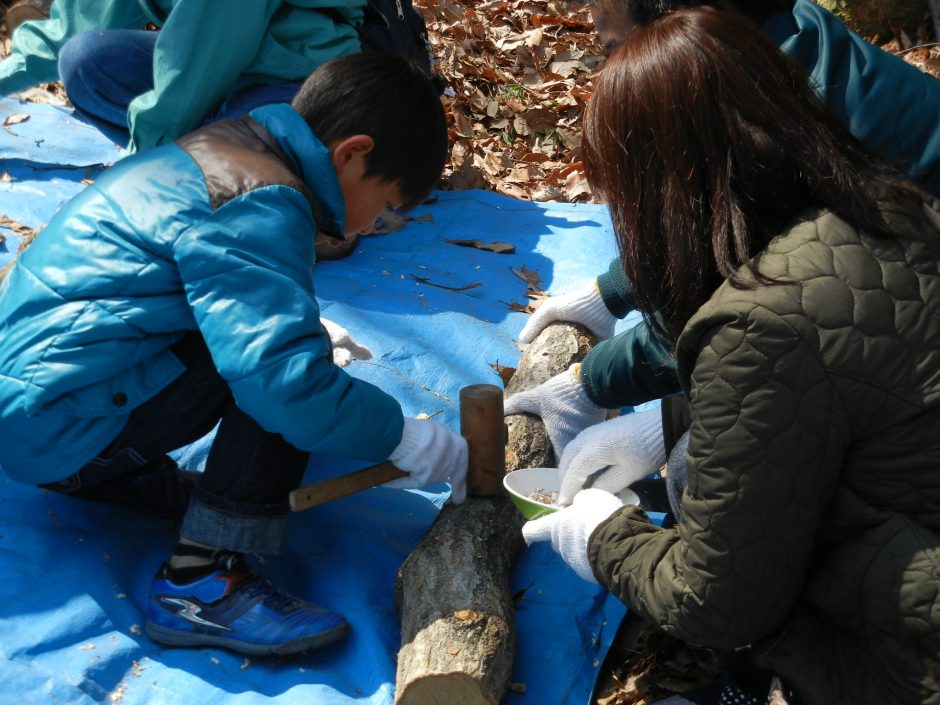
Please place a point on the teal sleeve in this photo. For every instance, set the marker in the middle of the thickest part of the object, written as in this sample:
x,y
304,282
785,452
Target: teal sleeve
x,y
247,277
616,290
202,49
35,48
865,85
633,367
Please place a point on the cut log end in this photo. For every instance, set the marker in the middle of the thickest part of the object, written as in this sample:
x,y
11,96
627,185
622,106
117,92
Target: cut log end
x,y
443,688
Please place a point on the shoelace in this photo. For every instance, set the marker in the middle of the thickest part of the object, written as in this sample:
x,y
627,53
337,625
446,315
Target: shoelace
x,y
256,584
274,597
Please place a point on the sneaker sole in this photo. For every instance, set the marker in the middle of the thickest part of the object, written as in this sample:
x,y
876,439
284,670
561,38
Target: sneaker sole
x,y
173,637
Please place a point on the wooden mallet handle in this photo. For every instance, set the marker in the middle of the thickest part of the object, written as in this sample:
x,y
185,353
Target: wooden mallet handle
x,y
481,423
343,485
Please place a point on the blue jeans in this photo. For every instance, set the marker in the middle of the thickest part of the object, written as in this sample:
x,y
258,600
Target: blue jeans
x,y
104,70
240,502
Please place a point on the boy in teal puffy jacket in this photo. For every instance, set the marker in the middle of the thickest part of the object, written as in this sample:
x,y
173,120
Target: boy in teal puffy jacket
x,y
175,293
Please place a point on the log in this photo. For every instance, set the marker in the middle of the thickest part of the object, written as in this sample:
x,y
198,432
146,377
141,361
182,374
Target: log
x,y
457,620
554,350
453,592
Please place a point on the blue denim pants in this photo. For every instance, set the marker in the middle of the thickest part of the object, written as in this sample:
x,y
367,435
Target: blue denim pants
x,y
240,502
104,70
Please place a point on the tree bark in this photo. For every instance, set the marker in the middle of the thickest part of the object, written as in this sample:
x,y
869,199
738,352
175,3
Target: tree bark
x,y
458,625
453,592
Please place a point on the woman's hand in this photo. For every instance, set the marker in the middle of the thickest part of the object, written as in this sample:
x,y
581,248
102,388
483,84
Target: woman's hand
x,y
563,406
570,528
613,455
584,306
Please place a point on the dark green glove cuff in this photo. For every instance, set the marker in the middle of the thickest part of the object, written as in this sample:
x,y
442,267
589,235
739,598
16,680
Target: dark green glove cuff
x,y
616,290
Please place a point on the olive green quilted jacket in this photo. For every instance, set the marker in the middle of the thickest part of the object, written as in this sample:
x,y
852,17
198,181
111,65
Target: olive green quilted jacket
x,y
811,523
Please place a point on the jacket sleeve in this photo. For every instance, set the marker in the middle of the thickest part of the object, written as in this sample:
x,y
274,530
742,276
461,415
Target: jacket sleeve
x,y
202,48
766,442
616,289
35,49
864,83
631,368
246,272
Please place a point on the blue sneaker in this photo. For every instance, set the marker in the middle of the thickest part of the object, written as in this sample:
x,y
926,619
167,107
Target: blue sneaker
x,y
236,608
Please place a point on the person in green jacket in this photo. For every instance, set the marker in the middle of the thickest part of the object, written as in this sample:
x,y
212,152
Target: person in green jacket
x,y
208,61
860,82
799,277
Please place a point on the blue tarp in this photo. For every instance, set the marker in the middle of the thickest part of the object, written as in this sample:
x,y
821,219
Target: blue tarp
x,y
76,574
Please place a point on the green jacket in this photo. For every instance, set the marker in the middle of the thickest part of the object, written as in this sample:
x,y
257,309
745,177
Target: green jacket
x,y
206,50
861,83
811,521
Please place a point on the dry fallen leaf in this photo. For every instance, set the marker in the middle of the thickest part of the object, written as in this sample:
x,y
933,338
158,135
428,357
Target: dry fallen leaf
x,y
529,276
515,306
16,119
500,248
425,280
505,373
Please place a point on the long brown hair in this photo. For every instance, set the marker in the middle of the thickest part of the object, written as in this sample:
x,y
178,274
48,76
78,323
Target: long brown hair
x,y
705,141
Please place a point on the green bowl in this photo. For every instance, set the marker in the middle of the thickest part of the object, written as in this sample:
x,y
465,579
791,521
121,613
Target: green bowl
x,y
520,484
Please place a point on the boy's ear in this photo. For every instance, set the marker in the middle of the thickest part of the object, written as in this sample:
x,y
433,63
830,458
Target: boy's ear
x,y
346,149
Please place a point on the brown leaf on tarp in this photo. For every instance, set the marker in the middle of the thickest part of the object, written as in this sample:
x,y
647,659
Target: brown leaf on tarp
x,y
19,229
537,296
521,308
500,248
425,280
505,373
16,119
529,276
389,221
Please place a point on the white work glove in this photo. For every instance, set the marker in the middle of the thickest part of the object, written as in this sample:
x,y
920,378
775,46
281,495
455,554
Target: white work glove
x,y
431,453
584,306
613,455
563,406
345,349
570,528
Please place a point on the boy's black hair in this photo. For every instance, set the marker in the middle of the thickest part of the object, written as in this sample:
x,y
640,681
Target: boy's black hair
x,y
390,99
642,12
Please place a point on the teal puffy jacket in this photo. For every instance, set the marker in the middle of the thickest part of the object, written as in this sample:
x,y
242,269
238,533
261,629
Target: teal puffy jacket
x,y
156,248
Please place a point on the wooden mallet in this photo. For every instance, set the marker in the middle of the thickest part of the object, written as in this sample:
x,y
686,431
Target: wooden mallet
x,y
481,423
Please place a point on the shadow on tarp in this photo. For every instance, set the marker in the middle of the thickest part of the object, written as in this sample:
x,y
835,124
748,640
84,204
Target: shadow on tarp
x,y
77,573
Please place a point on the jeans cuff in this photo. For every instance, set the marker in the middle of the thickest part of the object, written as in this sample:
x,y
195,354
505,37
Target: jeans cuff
x,y
234,532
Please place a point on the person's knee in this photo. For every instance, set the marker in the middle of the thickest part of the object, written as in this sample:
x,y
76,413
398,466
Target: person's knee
x,y
77,56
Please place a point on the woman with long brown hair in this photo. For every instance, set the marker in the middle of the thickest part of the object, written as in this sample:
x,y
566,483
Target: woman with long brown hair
x,y
800,281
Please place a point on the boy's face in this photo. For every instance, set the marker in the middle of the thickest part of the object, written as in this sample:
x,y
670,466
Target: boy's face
x,y
365,197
